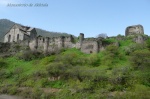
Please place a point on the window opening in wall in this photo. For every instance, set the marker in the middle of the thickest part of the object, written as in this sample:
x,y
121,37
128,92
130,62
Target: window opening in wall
x,y
17,37
43,40
9,38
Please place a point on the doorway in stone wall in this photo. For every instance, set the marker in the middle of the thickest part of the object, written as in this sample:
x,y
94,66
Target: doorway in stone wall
x,y
91,52
9,38
17,37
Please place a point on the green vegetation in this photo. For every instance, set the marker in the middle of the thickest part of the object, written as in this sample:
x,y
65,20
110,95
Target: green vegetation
x,y
118,72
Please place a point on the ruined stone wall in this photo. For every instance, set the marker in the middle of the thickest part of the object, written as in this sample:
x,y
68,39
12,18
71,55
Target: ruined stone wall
x,y
40,43
68,42
135,29
46,44
81,39
90,47
32,34
33,44
139,39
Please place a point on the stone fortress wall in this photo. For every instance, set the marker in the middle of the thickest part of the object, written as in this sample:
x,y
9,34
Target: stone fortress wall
x,y
86,45
47,44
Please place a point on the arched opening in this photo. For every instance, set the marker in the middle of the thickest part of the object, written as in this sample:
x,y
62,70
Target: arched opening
x,y
43,40
91,52
17,37
9,38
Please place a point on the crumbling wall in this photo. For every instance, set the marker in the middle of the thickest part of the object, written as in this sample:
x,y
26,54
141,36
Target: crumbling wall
x,y
135,29
90,47
68,42
33,44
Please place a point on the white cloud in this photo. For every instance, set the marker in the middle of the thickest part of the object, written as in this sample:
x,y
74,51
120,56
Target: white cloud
x,y
5,2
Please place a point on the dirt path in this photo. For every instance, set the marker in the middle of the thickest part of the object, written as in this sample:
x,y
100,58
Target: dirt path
x,y
9,97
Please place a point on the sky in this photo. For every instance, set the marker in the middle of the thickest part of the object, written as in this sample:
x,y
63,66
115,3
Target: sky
x,y
90,17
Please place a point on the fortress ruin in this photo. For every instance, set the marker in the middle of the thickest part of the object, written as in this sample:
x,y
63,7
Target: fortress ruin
x,y
27,36
134,29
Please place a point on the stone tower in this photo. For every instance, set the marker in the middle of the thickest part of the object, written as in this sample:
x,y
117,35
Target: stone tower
x,y
81,39
135,29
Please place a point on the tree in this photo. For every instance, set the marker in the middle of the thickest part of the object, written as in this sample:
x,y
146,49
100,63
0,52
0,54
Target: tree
x,y
103,35
140,59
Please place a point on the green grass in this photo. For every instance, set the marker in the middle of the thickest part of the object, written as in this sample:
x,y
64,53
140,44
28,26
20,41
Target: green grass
x,y
78,75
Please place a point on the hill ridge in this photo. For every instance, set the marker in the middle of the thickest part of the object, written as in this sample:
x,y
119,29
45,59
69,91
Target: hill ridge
x,y
6,24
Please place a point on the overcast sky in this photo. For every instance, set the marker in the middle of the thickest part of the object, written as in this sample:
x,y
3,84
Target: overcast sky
x,y
90,17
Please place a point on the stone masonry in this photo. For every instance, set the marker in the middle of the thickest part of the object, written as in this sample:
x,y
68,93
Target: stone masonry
x,y
135,29
27,36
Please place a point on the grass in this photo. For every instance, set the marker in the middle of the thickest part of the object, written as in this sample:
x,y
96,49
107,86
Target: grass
x,y
77,75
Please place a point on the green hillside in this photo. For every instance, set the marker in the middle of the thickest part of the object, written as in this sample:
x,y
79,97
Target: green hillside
x,y
5,26
116,73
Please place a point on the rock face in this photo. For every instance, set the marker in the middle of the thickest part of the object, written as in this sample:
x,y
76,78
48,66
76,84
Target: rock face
x,y
135,29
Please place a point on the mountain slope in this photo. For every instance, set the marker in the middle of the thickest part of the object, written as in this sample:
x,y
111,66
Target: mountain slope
x,y
6,24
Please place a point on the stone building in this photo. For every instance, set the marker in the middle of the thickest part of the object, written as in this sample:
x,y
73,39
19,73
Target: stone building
x,y
90,45
27,36
20,33
135,29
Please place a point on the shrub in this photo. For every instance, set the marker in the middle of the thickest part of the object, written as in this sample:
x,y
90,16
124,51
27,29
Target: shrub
x,y
111,56
68,58
13,90
93,60
133,47
36,93
39,74
16,73
2,63
29,55
47,60
148,43
56,69
140,59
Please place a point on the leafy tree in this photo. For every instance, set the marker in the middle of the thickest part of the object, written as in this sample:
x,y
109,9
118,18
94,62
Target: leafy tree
x,y
140,59
103,35
148,43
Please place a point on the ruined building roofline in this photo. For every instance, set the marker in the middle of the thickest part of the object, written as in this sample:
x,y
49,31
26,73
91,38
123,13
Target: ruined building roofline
x,y
135,26
55,37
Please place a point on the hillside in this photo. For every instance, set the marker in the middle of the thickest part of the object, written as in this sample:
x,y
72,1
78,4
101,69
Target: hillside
x,y
5,26
118,72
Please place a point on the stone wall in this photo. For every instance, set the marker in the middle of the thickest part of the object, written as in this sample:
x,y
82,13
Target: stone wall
x,y
89,47
135,29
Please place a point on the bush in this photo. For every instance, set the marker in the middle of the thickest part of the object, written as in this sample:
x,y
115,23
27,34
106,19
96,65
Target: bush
x,y
69,58
93,60
133,47
47,60
13,90
2,63
56,69
148,43
29,55
36,93
39,74
111,56
140,59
